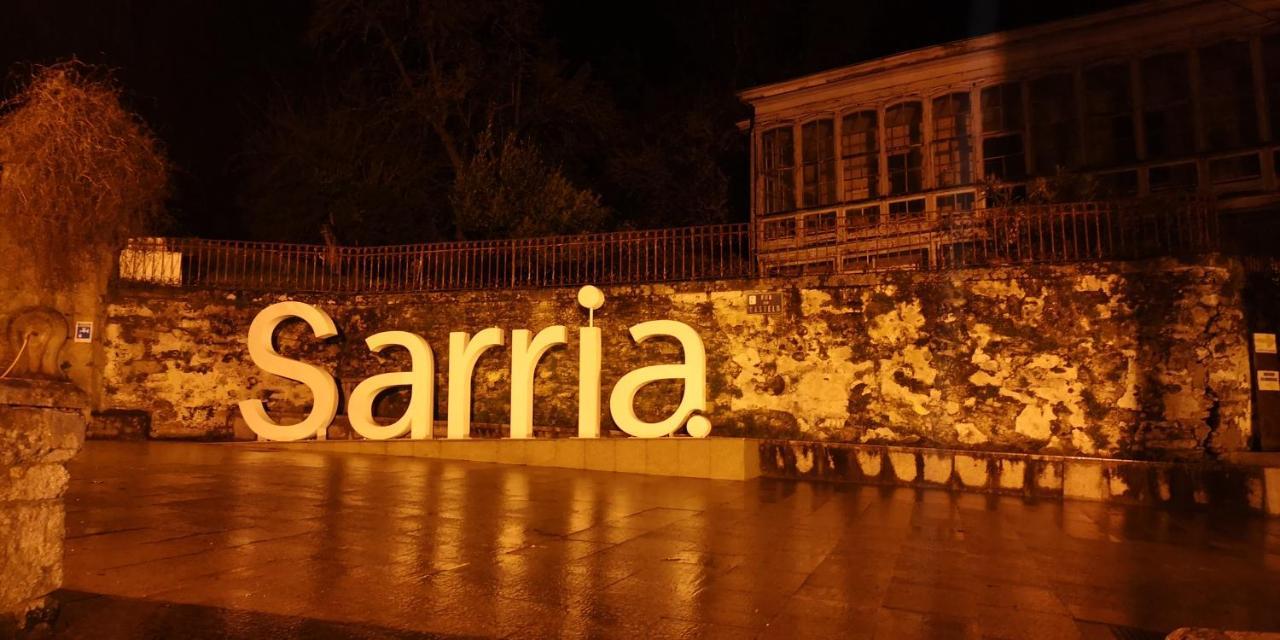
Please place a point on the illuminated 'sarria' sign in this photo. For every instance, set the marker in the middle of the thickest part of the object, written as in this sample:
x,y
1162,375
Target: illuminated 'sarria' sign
x,y
527,350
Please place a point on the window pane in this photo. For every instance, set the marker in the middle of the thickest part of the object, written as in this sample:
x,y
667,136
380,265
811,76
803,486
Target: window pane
x,y
1002,108
1246,167
954,203
1054,136
862,217
1271,64
1166,105
952,144
1109,116
1226,91
903,139
905,210
1003,157
817,148
778,167
1173,177
1002,134
858,133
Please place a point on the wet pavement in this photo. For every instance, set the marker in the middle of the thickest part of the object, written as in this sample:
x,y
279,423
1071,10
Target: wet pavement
x,y
211,541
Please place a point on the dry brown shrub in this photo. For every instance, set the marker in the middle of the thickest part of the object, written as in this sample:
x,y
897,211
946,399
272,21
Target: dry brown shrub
x,y
79,173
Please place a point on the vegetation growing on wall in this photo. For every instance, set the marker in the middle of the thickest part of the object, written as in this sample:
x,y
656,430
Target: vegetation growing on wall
x,y
79,173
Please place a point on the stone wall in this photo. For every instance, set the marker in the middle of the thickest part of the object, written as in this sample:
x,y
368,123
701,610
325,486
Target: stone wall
x,y
79,295
1142,360
41,428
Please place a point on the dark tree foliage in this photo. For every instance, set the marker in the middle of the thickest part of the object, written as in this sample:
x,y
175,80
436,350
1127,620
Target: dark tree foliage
x,y
442,119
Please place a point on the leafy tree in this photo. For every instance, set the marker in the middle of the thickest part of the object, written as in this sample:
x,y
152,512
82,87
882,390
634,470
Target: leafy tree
x,y
508,190
431,113
343,168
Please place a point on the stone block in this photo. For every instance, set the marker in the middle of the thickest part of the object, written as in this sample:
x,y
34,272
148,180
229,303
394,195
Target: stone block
x,y
1118,485
662,457
31,536
1084,480
693,457
369,447
513,451
425,448
570,453
773,458
1047,477
599,454
904,466
870,462
42,394
42,425
807,457
480,450
1013,474
400,447
629,455
120,424
33,435
540,452
30,483
937,468
727,458
971,471
1271,477
752,467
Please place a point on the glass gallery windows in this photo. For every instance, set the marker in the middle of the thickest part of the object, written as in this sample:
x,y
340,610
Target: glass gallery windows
x,y
1162,110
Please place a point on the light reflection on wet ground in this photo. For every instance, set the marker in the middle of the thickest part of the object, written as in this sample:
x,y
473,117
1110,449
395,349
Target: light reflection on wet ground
x,y
199,540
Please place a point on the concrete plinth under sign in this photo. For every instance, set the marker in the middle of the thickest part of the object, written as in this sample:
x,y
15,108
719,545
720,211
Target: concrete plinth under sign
x,y
713,458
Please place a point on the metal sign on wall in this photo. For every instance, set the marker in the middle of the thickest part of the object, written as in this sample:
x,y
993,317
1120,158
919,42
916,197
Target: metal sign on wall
x,y
764,303
1266,368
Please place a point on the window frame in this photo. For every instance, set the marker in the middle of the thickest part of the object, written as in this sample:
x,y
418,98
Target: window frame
x,y
911,154
777,183
1005,130
871,156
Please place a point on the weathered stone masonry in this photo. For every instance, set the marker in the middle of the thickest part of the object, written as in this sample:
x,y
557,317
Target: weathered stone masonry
x,y
1141,360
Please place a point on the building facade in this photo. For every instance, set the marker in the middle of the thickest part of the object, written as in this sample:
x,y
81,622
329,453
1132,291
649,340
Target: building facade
x,y
882,163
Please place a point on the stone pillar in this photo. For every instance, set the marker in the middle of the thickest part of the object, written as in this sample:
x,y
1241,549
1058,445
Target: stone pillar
x,y
41,427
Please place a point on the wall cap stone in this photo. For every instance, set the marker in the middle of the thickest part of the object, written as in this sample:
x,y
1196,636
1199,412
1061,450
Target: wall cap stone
x,y
42,394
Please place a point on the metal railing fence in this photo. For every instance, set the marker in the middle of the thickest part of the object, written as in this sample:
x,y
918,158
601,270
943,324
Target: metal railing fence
x,y
688,253
846,242
834,242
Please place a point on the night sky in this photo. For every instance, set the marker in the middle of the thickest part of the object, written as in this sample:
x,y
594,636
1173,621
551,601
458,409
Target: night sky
x,y
201,73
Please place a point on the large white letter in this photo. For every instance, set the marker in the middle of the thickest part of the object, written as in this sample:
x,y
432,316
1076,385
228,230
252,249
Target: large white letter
x,y
323,389
589,382
418,418
591,298
693,371
463,354
525,355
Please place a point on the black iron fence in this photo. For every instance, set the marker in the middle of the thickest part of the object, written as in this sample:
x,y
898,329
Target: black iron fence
x,y
688,253
829,241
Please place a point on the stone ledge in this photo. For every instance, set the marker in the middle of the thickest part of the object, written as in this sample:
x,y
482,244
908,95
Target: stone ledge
x,y
1249,487
48,394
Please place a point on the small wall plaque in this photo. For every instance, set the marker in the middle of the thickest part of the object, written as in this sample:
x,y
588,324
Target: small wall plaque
x,y
764,303
1268,380
1264,343
84,331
